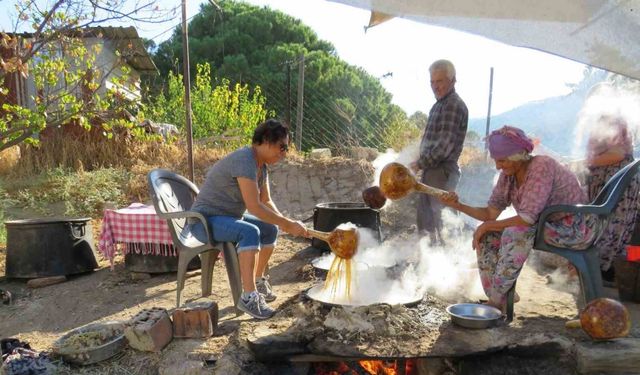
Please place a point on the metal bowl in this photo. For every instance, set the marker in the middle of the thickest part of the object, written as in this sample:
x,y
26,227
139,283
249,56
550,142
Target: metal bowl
x,y
473,315
114,343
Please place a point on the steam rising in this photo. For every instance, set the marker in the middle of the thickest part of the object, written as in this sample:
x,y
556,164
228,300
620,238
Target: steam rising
x,y
606,100
402,270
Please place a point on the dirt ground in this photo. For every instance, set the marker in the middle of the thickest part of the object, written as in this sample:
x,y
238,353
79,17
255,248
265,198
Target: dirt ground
x,y
40,316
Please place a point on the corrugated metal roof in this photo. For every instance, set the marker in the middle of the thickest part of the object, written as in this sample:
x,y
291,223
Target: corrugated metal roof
x,y
126,41
129,44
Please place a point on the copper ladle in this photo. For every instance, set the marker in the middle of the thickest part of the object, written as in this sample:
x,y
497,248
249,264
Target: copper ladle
x,y
397,181
343,242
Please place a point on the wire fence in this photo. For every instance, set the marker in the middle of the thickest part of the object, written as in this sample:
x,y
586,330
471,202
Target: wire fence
x,y
333,116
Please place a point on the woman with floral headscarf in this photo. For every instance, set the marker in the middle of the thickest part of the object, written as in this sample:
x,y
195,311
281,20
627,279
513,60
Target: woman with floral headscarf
x,y
530,184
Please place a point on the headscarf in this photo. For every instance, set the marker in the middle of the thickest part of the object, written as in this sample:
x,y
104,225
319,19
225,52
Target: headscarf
x,y
608,133
508,141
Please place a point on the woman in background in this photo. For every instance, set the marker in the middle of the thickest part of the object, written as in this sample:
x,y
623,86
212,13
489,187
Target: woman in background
x,y
609,149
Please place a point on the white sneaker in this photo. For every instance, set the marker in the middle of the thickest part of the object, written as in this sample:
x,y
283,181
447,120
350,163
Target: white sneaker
x,y
264,287
256,306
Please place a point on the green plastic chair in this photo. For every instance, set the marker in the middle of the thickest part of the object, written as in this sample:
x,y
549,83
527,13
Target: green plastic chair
x,y
586,262
173,195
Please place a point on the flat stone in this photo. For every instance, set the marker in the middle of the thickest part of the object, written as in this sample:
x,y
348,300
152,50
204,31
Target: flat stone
x,y
320,153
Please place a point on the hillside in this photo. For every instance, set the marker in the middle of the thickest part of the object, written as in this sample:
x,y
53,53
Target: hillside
x,y
552,120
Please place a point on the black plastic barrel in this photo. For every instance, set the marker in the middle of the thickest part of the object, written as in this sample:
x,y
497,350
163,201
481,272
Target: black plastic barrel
x,y
49,247
627,279
327,216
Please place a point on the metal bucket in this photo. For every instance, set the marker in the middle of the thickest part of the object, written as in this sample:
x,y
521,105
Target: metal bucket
x,y
327,216
49,247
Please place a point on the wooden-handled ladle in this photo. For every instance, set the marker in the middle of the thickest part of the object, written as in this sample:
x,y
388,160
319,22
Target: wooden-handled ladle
x,y
397,181
343,242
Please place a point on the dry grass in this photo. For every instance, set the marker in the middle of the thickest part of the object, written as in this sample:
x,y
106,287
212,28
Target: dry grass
x,y
82,155
471,155
9,158
3,257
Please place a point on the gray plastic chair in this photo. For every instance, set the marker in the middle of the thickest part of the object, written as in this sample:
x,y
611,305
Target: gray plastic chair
x,y
587,261
173,195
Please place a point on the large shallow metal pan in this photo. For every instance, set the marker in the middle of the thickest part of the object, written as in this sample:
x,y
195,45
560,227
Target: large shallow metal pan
x,y
474,315
323,263
317,294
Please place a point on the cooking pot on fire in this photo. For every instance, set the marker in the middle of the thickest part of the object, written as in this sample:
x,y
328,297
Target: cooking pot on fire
x,y
327,216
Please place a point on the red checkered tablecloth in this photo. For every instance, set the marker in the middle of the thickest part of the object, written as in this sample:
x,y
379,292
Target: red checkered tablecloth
x,y
138,229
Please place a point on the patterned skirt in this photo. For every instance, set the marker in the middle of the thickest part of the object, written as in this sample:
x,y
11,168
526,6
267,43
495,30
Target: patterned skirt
x,y
502,254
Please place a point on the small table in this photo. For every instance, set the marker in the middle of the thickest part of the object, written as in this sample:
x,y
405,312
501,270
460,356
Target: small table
x,y
138,230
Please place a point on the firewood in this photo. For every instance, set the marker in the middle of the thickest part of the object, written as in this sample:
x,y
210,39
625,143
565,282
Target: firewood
x,y
619,356
45,281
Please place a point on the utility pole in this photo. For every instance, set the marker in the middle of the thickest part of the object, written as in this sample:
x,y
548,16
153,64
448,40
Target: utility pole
x,y
288,91
300,102
486,148
187,90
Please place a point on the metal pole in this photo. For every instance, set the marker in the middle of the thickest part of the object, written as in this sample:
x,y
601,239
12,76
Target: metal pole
x,y
288,88
486,149
300,103
187,89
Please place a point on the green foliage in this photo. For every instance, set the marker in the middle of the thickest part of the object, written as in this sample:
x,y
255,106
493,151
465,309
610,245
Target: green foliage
x,y
419,119
225,114
59,186
401,131
343,104
60,59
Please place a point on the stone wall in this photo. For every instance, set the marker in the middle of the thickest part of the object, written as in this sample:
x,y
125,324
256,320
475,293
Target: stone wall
x,y
297,185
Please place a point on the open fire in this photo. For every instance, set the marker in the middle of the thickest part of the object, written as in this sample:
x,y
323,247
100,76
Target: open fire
x,y
370,367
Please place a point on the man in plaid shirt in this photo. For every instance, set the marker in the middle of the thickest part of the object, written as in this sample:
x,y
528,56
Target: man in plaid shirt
x,y
440,147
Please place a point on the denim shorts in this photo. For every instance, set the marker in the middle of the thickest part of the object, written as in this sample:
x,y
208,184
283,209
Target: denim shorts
x,y
248,232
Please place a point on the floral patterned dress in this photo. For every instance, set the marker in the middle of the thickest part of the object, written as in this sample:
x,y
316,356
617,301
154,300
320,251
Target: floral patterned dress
x,y
617,234
502,254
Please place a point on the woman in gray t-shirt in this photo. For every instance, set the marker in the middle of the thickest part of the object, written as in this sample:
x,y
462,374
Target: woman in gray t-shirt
x,y
236,200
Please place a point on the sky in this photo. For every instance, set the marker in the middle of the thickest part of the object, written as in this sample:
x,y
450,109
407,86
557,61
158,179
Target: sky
x,y
407,48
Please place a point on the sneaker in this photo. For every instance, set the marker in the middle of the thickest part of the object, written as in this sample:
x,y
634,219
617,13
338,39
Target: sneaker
x,y
264,288
256,306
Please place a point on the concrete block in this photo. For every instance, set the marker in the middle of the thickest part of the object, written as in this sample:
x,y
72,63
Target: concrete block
x,y
150,330
195,320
